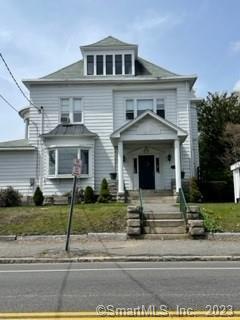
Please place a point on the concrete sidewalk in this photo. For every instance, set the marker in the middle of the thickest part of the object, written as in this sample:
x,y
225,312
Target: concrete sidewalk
x,y
131,249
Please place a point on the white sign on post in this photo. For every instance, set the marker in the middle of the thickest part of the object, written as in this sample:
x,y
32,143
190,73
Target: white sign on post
x,y
77,166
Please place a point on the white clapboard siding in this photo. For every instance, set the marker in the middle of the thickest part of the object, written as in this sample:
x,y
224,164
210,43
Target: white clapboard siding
x,y
104,112
194,129
56,186
146,92
16,169
97,114
163,179
183,121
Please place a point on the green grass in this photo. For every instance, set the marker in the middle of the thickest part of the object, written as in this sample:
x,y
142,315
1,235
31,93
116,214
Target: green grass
x,y
222,216
52,220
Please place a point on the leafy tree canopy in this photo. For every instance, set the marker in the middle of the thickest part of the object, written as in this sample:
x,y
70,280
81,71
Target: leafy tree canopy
x,y
214,114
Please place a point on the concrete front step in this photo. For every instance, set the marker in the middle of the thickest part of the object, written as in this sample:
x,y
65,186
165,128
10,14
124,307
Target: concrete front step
x,y
164,230
164,223
160,215
165,236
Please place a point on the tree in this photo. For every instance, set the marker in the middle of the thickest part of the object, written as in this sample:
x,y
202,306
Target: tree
x,y
214,113
231,138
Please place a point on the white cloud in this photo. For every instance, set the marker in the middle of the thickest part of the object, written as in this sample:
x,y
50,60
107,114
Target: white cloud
x,y
152,21
237,86
235,46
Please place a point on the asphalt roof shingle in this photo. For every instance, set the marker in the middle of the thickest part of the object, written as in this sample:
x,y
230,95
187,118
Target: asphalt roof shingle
x,y
69,130
109,42
143,68
21,143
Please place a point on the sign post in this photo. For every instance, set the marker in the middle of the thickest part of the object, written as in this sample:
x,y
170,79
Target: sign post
x,y
76,173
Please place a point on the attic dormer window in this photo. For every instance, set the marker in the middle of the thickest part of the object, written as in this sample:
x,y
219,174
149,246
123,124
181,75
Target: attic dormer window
x,y
99,65
118,64
90,65
109,64
128,63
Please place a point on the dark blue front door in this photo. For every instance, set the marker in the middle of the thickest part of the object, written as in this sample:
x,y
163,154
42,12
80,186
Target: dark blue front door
x,y
146,172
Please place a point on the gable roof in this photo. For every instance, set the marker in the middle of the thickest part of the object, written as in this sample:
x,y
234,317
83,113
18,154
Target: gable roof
x,y
70,130
21,144
109,42
180,132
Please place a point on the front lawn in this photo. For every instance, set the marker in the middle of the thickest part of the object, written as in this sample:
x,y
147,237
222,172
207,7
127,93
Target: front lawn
x,y
222,216
52,220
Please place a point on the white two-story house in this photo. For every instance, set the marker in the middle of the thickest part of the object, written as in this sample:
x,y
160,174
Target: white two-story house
x,y
115,111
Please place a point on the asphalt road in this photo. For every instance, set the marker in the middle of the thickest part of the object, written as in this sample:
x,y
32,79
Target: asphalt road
x,y
79,287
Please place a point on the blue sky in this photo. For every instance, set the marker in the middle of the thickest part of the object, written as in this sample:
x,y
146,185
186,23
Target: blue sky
x,y
38,37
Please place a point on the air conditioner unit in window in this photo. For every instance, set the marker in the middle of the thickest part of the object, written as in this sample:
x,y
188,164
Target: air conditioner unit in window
x,y
65,120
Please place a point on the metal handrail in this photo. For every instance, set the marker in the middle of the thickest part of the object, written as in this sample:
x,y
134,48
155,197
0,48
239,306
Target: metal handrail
x,y
141,206
184,208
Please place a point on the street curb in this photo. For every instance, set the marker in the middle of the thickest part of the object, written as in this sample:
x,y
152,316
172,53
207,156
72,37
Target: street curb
x,y
8,238
120,259
93,236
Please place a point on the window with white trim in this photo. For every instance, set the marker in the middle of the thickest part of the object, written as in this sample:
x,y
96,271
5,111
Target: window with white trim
x,y
118,64
61,160
143,105
99,64
90,65
71,110
160,108
128,63
129,109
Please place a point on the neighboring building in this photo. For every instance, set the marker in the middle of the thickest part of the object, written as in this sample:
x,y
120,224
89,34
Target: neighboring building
x,y
235,168
114,110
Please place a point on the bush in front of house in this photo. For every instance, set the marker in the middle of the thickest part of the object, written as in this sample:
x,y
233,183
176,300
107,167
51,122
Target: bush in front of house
x,y
194,192
38,197
10,197
89,195
104,192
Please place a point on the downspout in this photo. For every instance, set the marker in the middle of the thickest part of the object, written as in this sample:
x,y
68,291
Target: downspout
x,y
41,158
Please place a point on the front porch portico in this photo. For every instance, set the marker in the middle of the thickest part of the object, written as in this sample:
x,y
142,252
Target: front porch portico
x,y
148,153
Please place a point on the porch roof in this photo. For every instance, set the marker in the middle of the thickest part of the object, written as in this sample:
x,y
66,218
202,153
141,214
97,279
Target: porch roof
x,y
171,131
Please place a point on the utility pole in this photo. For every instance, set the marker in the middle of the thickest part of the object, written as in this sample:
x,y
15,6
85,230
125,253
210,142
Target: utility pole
x,y
76,173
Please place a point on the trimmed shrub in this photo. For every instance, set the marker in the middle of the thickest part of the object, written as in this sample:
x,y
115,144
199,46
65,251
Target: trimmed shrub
x,y
194,192
104,192
38,197
10,197
89,195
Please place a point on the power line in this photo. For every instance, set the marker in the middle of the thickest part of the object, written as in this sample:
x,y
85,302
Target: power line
x,y
17,84
8,103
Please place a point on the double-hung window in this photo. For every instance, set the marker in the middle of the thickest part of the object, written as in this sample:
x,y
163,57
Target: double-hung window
x,y
143,105
61,160
71,110
129,109
160,108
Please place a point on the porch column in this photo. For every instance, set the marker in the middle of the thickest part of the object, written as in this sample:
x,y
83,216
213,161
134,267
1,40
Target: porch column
x,y
177,164
120,167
